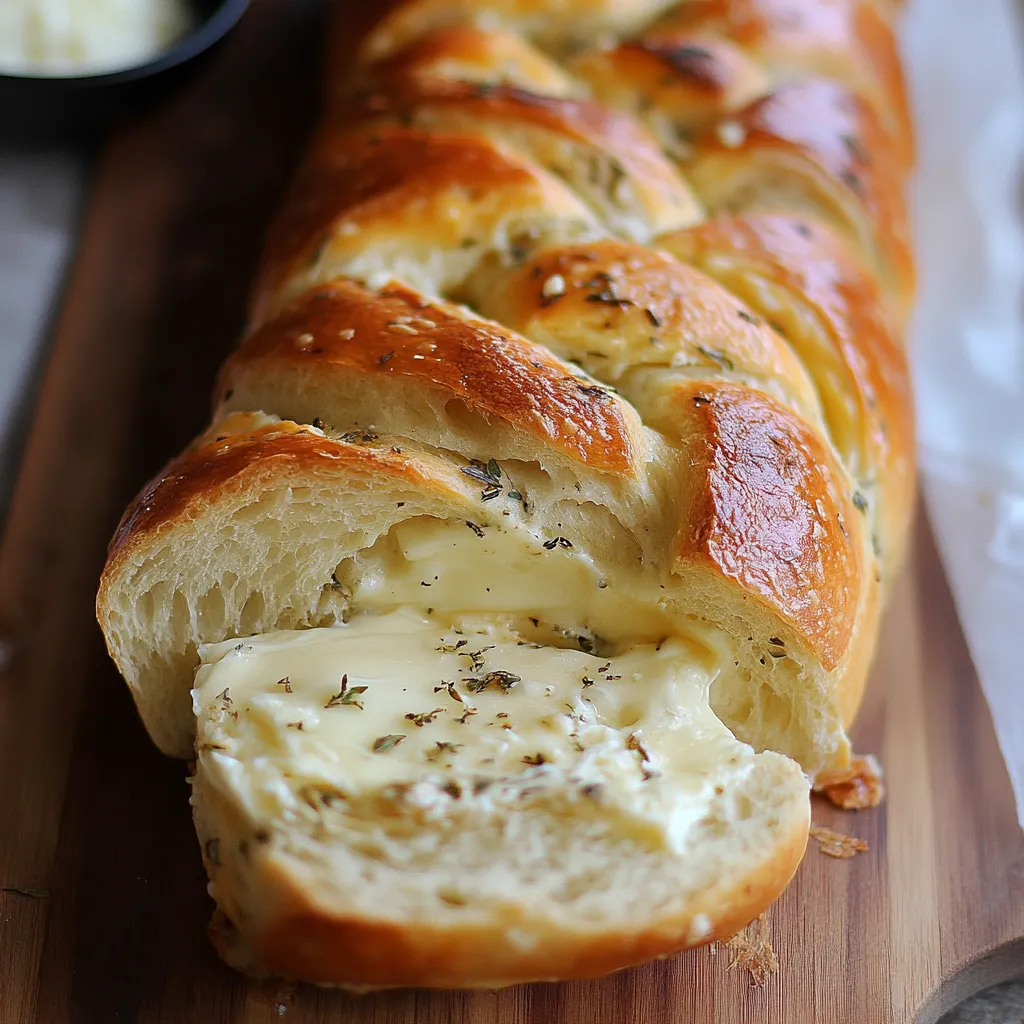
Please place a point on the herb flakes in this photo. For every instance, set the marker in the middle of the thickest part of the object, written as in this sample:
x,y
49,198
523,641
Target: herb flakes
x,y
717,357
347,696
499,678
384,743
424,717
449,688
560,542
442,748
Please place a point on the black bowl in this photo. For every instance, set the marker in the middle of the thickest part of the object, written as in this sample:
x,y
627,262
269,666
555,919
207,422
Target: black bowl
x,y
59,110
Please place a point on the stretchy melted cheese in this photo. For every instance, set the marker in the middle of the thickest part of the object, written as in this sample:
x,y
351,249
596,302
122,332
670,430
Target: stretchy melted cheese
x,y
457,569
398,699
477,662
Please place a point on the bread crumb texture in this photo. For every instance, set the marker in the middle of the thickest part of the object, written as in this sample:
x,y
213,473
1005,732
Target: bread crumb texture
x,y
857,788
835,844
751,950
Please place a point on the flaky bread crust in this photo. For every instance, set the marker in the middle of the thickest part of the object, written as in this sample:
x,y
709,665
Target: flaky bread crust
x,y
294,930
304,942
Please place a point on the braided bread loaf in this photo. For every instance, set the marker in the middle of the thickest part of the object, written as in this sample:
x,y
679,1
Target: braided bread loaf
x,y
574,403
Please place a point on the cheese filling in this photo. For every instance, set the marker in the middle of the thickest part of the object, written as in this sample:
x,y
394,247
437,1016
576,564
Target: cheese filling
x,y
475,668
460,569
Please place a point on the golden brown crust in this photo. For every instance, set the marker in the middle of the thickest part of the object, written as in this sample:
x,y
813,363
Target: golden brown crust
x,y
226,462
819,141
847,40
610,159
556,27
356,188
463,53
300,938
621,306
687,77
343,331
825,304
770,514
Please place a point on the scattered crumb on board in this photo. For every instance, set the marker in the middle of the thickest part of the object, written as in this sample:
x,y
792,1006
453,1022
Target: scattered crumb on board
x,y
751,950
835,844
857,788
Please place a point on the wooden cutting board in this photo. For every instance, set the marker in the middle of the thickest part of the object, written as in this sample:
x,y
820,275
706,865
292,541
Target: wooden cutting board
x,y
93,815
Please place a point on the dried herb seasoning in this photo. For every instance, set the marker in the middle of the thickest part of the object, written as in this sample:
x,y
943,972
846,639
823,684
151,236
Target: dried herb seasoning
x,y
449,688
442,747
384,743
347,696
499,678
424,717
719,358
596,390
561,542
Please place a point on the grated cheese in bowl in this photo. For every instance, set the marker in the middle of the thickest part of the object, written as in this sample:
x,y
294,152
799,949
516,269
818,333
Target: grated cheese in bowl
x,y
59,38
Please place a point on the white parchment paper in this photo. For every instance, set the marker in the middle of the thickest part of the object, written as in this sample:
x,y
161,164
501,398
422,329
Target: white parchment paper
x,y
966,67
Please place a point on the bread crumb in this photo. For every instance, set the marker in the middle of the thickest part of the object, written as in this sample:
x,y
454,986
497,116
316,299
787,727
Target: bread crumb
x,y
856,789
275,993
751,950
835,844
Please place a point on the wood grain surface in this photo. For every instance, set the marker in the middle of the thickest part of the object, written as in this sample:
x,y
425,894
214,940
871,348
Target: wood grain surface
x,y
91,813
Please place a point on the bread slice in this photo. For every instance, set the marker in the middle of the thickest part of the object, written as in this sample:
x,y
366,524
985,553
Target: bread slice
x,y
393,803
425,728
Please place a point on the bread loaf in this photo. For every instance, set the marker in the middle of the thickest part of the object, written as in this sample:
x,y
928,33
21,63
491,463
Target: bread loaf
x,y
533,562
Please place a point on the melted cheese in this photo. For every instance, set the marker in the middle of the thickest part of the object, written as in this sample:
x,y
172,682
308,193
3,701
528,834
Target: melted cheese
x,y
479,663
458,570
477,712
